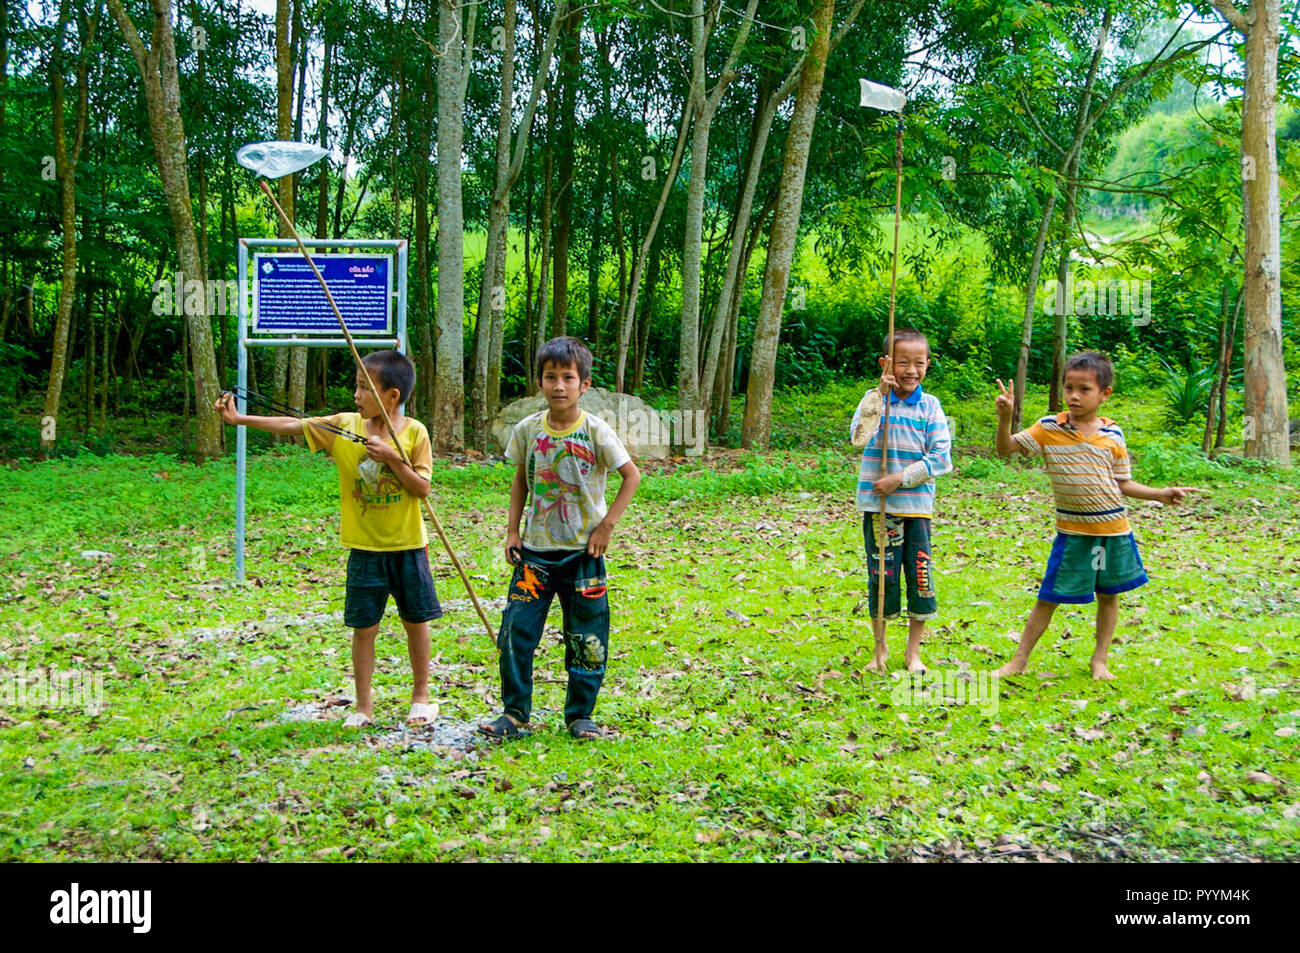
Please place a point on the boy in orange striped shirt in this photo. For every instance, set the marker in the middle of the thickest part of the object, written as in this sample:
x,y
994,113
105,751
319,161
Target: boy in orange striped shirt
x,y
1094,552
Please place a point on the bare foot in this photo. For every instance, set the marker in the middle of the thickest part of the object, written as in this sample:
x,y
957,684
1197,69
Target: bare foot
x,y
914,663
1100,672
1015,667
877,663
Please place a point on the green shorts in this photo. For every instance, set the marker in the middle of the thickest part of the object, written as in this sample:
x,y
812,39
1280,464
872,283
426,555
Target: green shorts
x,y
1081,566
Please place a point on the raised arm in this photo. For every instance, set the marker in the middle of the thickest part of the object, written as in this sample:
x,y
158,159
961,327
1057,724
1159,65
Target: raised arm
x,y
286,426
1006,406
866,419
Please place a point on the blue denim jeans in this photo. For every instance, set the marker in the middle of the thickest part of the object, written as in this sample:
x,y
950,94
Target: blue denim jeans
x,y
579,581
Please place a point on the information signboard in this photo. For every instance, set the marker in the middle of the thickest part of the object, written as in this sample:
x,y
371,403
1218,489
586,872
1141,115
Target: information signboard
x,y
287,298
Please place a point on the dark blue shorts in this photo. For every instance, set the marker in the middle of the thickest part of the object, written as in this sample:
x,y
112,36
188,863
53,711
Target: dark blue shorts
x,y
373,576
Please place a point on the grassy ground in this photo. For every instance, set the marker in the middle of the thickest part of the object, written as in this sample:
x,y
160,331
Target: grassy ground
x,y
743,724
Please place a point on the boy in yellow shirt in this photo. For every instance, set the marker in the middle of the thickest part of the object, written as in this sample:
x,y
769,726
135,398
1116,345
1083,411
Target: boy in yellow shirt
x,y
380,520
1095,554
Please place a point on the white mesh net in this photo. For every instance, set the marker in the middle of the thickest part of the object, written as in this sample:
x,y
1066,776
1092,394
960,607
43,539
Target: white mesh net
x,y
276,159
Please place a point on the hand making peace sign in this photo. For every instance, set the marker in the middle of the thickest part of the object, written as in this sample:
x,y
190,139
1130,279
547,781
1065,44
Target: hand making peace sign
x,y
1006,401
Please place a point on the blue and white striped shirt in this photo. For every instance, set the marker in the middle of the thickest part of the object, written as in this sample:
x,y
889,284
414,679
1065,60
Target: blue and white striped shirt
x,y
919,445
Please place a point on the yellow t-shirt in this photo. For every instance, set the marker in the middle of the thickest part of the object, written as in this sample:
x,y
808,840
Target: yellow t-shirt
x,y
376,512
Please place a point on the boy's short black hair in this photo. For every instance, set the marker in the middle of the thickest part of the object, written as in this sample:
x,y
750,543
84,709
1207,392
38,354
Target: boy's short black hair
x,y
1099,364
565,352
903,334
389,369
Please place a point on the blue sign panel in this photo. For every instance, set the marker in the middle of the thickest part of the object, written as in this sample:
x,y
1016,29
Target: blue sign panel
x,y
287,298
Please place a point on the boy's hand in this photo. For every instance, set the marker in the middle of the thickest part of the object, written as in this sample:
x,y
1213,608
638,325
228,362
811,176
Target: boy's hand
x,y
1174,494
887,382
514,547
1006,401
598,542
225,405
888,484
377,448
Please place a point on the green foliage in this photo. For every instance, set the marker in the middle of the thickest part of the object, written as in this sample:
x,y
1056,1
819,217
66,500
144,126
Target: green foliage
x,y
1186,391
1165,459
987,468
1136,368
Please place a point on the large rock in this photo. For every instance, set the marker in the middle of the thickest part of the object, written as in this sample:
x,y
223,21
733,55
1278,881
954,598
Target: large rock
x,y
646,432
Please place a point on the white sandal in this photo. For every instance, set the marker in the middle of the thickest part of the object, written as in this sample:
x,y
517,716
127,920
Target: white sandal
x,y
357,720
421,714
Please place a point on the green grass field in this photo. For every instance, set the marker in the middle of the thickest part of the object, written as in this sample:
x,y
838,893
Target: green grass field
x,y
742,723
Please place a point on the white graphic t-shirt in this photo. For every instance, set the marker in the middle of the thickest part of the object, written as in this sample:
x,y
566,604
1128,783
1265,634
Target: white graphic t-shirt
x,y
566,477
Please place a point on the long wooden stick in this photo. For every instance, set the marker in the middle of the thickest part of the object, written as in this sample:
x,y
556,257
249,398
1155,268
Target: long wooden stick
x,y
881,535
370,386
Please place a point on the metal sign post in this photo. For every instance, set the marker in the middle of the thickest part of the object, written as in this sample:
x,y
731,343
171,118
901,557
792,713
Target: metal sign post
x,y
295,313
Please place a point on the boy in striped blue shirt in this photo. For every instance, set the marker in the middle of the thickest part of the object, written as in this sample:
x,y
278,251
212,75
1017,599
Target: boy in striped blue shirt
x,y
920,449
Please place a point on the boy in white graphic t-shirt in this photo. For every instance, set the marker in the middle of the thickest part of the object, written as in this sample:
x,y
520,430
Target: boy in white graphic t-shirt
x,y
561,457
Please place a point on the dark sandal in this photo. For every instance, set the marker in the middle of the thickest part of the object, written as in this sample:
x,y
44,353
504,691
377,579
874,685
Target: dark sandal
x,y
579,728
503,728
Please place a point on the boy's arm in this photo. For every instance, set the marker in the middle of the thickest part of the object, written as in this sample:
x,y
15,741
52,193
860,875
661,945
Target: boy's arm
x,y
598,542
937,459
518,497
866,419
415,483
287,426
1007,443
1168,495
1123,471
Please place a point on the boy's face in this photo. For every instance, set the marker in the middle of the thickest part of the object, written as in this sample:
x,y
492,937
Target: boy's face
x,y
561,386
911,361
366,401
1082,395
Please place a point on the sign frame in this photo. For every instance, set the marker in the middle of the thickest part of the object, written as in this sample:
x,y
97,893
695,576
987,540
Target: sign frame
x,y
248,338
330,328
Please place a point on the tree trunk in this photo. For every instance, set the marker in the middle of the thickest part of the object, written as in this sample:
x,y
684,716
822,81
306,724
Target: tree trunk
x,y
727,367
627,319
645,317
161,81
485,393
321,362
569,75
705,103
88,364
1225,372
420,172
1060,327
620,246
350,117
1266,434
595,259
449,385
66,171
1212,402
540,324
528,282
757,426
733,279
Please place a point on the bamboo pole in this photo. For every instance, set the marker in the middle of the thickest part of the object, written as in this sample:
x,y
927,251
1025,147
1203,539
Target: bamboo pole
x,y
370,386
881,535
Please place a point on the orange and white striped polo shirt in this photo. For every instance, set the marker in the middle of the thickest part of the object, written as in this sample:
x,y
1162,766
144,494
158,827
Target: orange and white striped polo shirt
x,y
1085,474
